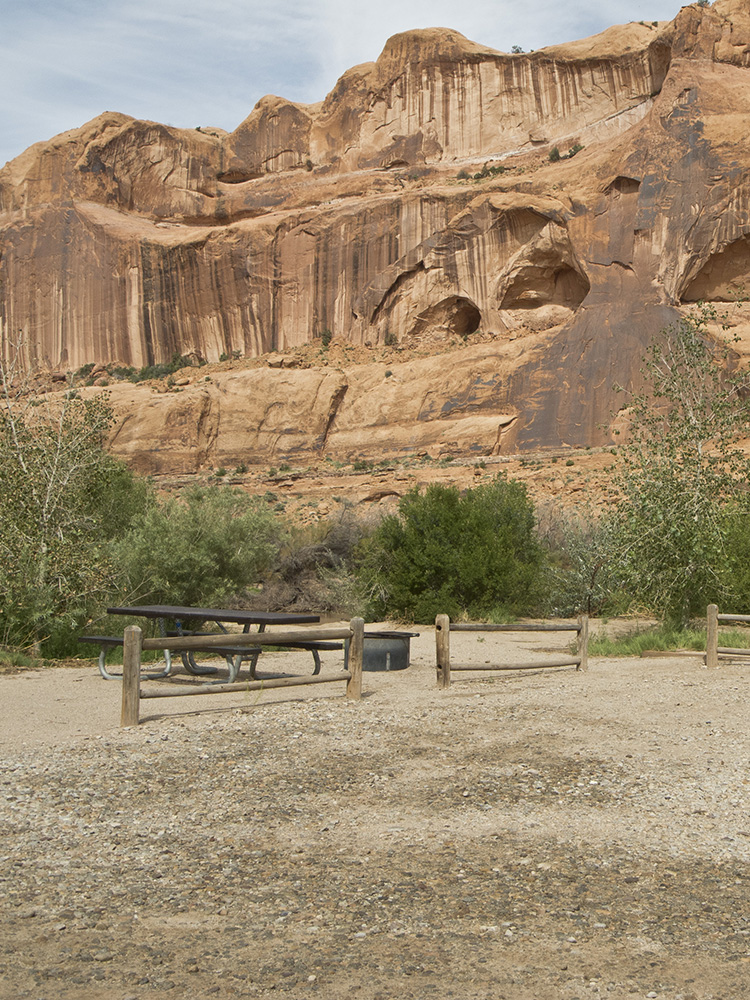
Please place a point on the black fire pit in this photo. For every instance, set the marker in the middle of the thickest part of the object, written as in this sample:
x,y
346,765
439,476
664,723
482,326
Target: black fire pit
x,y
385,650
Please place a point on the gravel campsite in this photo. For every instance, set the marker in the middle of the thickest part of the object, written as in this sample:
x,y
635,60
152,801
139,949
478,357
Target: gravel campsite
x,y
553,835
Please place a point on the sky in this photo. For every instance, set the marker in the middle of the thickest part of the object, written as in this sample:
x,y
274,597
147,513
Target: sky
x,y
207,62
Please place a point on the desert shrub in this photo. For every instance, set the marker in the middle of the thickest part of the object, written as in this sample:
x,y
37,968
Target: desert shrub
x,y
473,554
123,372
156,371
488,171
555,155
314,571
200,549
579,575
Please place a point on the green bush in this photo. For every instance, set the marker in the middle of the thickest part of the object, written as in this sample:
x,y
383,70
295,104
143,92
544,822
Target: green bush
x,y
200,549
473,554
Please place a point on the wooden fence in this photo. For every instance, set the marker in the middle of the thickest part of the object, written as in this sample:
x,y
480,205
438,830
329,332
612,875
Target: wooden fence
x,y
134,644
444,627
715,652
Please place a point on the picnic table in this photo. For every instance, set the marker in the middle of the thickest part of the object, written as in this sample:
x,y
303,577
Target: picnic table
x,y
221,616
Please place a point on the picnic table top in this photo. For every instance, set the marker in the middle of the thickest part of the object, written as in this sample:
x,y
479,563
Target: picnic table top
x,y
215,614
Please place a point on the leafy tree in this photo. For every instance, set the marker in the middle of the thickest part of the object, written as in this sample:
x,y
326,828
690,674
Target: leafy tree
x,y
682,473
199,549
62,498
474,554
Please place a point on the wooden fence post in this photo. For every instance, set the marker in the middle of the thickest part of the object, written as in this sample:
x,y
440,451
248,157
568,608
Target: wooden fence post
x,y
443,650
356,654
583,642
131,676
712,635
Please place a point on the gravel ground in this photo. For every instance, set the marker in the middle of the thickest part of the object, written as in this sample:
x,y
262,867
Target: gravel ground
x,y
539,836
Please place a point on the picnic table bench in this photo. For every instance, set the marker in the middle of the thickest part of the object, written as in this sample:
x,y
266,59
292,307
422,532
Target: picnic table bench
x,y
236,654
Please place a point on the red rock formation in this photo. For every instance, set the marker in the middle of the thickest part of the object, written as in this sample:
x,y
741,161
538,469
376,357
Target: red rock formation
x,y
128,241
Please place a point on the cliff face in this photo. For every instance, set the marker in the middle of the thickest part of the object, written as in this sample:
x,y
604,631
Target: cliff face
x,y
128,241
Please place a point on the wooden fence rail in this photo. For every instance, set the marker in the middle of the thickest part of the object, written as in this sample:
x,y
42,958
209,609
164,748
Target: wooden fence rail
x,y
134,644
444,627
715,652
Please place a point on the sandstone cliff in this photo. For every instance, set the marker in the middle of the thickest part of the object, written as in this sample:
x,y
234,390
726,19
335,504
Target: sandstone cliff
x,y
128,241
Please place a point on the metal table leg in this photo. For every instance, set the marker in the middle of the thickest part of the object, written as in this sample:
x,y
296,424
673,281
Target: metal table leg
x,y
188,657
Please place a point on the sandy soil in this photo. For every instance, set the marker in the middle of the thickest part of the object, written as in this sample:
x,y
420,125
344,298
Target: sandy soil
x,y
548,835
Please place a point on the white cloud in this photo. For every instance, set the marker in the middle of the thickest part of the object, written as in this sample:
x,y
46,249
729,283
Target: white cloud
x,y
192,62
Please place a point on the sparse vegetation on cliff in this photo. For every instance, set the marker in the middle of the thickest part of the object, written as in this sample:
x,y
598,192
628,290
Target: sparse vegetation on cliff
x,y
87,374
555,155
483,174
